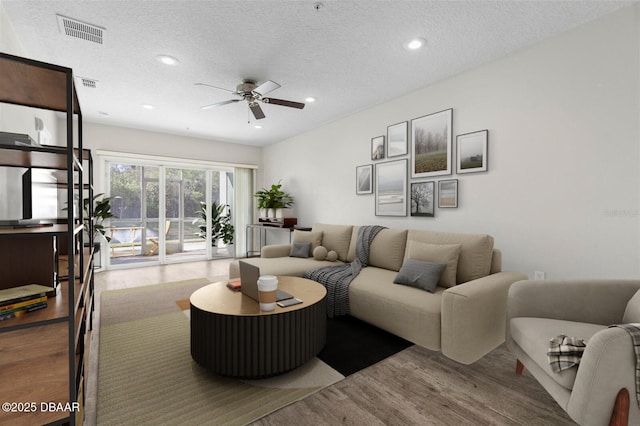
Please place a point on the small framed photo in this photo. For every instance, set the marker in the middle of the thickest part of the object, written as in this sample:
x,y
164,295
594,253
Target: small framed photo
x,y
472,151
364,179
397,139
391,188
448,193
431,144
377,148
422,199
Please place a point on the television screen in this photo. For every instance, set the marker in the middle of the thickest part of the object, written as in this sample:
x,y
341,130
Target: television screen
x,y
28,194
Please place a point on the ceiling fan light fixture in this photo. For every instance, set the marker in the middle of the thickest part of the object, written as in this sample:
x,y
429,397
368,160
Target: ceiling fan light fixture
x,y
415,44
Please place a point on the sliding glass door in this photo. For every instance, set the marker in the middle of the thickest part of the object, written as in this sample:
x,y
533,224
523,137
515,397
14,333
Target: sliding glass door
x,y
160,213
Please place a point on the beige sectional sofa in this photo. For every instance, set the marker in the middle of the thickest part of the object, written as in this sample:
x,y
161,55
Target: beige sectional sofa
x,y
464,317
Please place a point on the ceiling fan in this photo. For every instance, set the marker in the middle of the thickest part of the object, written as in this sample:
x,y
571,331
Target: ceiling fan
x,y
249,91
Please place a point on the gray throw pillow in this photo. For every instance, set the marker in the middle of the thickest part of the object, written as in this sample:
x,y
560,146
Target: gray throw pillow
x,y
420,274
300,250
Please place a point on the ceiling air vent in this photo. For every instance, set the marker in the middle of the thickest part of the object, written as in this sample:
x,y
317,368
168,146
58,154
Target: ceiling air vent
x,y
78,29
88,82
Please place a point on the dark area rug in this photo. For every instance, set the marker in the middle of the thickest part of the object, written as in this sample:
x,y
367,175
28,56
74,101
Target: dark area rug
x,y
353,345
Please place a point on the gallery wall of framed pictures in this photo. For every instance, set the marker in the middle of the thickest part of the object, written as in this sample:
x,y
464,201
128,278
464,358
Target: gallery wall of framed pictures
x,y
411,155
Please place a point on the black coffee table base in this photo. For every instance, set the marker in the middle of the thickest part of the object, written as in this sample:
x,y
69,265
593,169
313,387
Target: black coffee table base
x,y
257,346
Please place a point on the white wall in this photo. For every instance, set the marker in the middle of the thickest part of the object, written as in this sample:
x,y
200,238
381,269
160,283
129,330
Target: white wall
x,y
562,191
19,119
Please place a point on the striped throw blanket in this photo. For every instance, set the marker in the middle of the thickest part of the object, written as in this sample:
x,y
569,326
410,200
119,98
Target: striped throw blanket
x,y
337,278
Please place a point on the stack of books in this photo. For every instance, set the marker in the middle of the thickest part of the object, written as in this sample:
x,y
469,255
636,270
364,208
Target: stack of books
x,y
17,301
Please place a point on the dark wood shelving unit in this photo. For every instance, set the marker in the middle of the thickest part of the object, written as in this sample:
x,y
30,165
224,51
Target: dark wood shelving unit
x,y
43,354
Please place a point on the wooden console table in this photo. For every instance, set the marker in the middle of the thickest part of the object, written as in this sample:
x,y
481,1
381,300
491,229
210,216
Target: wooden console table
x,y
232,337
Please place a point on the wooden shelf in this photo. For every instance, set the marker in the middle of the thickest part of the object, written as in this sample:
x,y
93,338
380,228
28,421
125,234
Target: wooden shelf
x,y
43,355
35,368
35,84
56,229
57,310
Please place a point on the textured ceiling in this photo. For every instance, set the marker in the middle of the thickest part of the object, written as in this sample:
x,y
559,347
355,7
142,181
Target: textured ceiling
x,y
348,54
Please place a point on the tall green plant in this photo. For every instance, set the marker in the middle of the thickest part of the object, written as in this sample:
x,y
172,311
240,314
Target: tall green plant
x,y
221,227
101,212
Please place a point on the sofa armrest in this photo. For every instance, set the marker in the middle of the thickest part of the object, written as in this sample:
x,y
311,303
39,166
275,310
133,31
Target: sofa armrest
x,y
474,316
607,365
593,301
276,250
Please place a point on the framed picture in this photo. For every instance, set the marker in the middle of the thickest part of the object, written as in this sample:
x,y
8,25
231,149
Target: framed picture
x,y
364,179
391,188
377,148
431,144
397,139
472,151
422,199
448,193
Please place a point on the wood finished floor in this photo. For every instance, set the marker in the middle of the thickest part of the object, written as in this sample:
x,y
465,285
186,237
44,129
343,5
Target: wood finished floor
x,y
137,277
414,387
422,387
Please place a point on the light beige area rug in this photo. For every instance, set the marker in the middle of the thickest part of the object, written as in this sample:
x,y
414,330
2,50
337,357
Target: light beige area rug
x,y
146,375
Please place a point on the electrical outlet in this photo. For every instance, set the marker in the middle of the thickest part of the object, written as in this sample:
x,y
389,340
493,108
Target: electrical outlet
x,y
539,275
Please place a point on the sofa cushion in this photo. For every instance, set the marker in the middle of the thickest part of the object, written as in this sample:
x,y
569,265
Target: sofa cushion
x,y
632,313
405,311
420,274
335,237
315,238
351,254
299,249
475,256
387,249
447,254
533,336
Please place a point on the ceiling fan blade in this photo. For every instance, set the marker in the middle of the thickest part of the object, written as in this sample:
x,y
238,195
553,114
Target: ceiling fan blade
x,y
230,101
282,102
256,110
215,87
266,87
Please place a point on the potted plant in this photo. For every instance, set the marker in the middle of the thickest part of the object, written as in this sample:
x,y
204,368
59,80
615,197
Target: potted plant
x,y
221,227
101,212
273,199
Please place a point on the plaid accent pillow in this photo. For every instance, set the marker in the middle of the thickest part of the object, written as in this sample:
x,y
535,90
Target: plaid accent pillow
x,y
565,352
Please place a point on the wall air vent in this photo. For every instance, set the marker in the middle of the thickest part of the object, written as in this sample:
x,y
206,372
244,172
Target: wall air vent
x,y
89,83
78,29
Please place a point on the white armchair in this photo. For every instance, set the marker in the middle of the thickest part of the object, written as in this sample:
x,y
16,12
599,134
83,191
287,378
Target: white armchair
x,y
597,391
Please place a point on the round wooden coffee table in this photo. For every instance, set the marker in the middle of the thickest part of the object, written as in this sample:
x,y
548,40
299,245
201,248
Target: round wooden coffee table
x,y
232,337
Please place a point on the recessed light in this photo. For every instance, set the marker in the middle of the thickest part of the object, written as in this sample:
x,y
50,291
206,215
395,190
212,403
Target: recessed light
x,y
148,106
257,126
310,99
415,44
167,60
